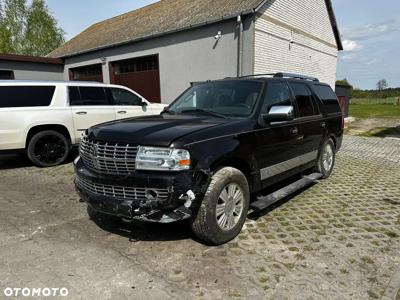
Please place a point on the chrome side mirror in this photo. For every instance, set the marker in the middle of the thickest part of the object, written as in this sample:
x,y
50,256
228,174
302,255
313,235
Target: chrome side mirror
x,y
280,114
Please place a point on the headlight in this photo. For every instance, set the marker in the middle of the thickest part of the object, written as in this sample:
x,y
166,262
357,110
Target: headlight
x,y
162,159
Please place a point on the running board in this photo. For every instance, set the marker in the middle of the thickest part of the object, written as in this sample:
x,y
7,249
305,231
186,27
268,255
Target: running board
x,y
263,202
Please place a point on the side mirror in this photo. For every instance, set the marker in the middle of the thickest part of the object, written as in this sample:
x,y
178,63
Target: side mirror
x,y
143,103
279,114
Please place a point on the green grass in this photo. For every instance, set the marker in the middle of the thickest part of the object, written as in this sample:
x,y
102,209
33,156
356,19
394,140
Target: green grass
x,y
392,100
374,111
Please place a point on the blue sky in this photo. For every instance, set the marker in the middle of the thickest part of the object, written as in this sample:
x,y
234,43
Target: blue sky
x,y
370,31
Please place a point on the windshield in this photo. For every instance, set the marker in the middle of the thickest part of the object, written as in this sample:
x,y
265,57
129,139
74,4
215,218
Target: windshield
x,y
227,98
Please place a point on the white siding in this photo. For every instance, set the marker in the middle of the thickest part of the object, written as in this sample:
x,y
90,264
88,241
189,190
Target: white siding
x,y
307,24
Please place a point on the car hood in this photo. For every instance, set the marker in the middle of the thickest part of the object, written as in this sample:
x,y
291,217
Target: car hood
x,y
159,130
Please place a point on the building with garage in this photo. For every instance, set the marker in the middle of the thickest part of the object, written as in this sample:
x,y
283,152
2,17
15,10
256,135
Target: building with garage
x,y
159,49
30,67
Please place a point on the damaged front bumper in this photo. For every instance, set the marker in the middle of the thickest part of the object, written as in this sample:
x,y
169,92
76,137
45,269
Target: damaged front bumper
x,y
161,197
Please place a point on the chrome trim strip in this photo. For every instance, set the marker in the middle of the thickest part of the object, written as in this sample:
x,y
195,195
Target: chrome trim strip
x,y
287,165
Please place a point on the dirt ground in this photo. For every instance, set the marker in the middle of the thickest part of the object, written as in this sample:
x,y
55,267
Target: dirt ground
x,y
339,239
389,127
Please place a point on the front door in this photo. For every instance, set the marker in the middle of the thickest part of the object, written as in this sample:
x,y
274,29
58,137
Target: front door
x,y
277,153
128,104
90,106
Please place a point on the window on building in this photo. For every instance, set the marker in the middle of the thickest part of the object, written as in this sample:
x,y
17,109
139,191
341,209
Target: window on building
x,y
277,94
26,96
141,64
87,73
304,100
124,97
6,75
87,96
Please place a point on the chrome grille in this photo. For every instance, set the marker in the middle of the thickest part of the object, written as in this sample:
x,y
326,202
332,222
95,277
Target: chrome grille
x,y
121,192
109,158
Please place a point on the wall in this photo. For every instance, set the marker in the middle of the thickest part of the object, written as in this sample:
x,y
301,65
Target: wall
x,y
184,57
306,24
33,71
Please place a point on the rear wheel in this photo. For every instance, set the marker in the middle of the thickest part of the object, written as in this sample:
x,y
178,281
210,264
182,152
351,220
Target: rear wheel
x,y
224,208
48,148
326,159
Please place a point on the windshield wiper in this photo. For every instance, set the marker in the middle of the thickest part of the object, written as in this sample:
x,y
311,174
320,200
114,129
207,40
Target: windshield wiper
x,y
204,111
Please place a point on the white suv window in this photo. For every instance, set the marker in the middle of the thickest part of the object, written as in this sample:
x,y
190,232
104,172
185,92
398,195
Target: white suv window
x,y
26,96
87,96
124,97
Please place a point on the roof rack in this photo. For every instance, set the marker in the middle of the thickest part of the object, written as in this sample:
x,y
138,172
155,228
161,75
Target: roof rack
x,y
280,75
295,76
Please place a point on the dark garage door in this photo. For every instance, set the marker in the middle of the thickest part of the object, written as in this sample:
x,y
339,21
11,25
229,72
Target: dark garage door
x,y
140,74
87,73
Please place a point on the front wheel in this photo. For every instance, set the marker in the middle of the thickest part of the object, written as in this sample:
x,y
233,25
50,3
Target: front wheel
x,y
48,148
326,159
224,208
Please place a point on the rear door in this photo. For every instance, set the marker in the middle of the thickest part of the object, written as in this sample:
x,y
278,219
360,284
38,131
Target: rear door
x,y
127,104
310,119
90,106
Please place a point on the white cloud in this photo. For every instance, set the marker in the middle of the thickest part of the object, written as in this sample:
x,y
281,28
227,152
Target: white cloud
x,y
350,46
370,31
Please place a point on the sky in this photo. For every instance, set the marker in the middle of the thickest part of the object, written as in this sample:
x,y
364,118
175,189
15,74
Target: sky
x,y
370,32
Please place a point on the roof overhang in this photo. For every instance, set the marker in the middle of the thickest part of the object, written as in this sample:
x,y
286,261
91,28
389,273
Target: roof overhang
x,y
31,59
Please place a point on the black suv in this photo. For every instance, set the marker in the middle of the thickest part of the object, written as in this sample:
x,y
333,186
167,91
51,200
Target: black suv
x,y
215,146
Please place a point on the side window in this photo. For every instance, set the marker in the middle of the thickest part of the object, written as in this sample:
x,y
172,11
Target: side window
x,y
74,96
277,94
26,96
304,99
124,97
92,96
328,97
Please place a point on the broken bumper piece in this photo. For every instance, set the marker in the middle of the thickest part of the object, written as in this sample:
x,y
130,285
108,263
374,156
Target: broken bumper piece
x,y
150,197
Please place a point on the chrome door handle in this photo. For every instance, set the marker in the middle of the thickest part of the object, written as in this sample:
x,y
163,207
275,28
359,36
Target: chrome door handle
x,y
122,112
294,130
323,124
81,113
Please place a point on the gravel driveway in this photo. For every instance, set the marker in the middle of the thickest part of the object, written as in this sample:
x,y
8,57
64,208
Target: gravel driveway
x,y
339,239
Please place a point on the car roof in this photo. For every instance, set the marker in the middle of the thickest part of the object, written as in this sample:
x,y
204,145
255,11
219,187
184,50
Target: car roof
x,y
55,82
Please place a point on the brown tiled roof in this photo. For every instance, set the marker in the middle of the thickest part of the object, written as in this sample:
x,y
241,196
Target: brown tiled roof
x,y
156,19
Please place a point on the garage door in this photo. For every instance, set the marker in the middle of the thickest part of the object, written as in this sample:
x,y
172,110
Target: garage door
x,y
87,73
140,74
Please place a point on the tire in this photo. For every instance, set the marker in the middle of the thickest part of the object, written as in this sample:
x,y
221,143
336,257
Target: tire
x,y
325,165
48,148
208,225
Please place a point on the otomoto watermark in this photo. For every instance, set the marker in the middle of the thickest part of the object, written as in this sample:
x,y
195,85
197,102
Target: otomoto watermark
x,y
35,292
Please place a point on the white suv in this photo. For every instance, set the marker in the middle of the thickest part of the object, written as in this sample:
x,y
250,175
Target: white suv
x,y
46,118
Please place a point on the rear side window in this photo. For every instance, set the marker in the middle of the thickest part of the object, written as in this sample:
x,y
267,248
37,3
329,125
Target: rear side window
x,y
304,99
26,96
328,97
87,96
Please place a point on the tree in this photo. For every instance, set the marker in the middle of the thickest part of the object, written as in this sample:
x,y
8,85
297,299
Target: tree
x,y
343,82
12,26
28,30
382,85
